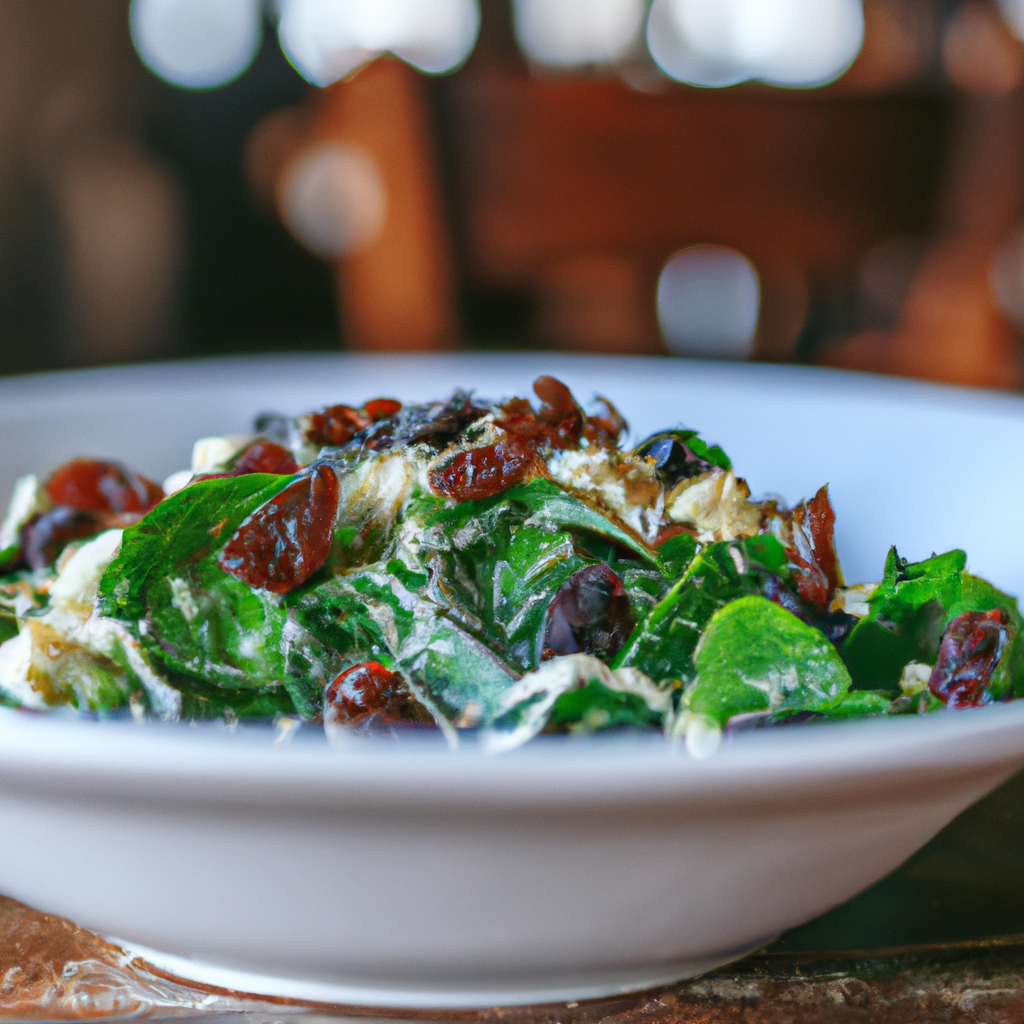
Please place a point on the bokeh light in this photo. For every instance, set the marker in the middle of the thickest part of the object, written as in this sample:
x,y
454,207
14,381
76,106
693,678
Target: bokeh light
x,y
332,198
1006,276
798,43
709,300
1013,12
196,44
327,39
569,33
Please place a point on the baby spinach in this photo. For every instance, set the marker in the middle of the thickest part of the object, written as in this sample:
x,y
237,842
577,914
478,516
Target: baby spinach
x,y
756,656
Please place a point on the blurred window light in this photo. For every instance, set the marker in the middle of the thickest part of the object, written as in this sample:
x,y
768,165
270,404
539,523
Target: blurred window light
x,y
709,299
196,44
569,33
327,39
714,43
332,199
1006,277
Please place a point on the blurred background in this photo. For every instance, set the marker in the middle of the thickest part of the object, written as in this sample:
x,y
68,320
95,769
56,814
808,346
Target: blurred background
x,y
826,181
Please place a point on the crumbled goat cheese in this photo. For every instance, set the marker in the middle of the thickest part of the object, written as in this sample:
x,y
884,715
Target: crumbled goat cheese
x,y
718,504
622,484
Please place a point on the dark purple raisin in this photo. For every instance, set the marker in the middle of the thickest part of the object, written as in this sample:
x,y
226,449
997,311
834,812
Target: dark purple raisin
x,y
590,613
45,537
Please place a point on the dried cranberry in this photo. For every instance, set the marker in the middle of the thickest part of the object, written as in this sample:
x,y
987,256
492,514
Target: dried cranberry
x,y
265,457
481,472
559,422
371,697
102,487
558,412
591,613
778,593
968,655
45,537
335,426
381,408
807,533
606,429
288,538
363,690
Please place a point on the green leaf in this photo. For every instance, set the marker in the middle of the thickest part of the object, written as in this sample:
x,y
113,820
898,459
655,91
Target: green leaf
x,y
663,643
594,708
908,613
675,555
861,704
544,504
207,623
183,529
8,624
709,453
756,656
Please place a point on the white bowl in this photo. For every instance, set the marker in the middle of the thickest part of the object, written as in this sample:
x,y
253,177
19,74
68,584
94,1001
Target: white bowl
x,y
411,876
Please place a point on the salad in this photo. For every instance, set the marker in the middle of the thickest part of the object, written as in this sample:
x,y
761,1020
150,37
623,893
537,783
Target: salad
x,y
492,570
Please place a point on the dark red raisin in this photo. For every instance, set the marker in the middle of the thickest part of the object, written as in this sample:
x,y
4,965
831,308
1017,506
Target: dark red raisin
x,y
372,698
559,412
607,429
335,426
363,690
481,472
381,408
968,655
807,532
45,537
265,457
99,486
591,612
288,538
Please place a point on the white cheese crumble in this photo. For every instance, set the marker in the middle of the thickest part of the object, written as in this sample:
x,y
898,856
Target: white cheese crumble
x,y
624,485
718,504
210,454
914,679
177,481
854,600
78,582
28,500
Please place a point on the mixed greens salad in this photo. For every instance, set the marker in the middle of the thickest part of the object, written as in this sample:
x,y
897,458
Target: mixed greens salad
x,y
491,570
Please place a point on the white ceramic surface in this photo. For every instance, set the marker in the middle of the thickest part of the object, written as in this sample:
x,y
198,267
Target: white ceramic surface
x,y
411,876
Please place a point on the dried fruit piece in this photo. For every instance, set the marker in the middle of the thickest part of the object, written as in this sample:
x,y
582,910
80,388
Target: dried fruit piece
x,y
99,486
44,537
381,408
968,655
807,533
370,695
605,429
335,426
591,612
481,472
265,457
283,542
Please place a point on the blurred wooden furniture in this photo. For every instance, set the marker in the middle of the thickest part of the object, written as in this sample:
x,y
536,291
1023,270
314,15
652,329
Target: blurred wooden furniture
x,y
398,292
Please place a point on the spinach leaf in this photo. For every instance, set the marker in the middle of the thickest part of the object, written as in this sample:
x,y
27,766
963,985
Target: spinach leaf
x,y
371,614
543,504
662,645
756,656
908,613
184,528
8,624
595,708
